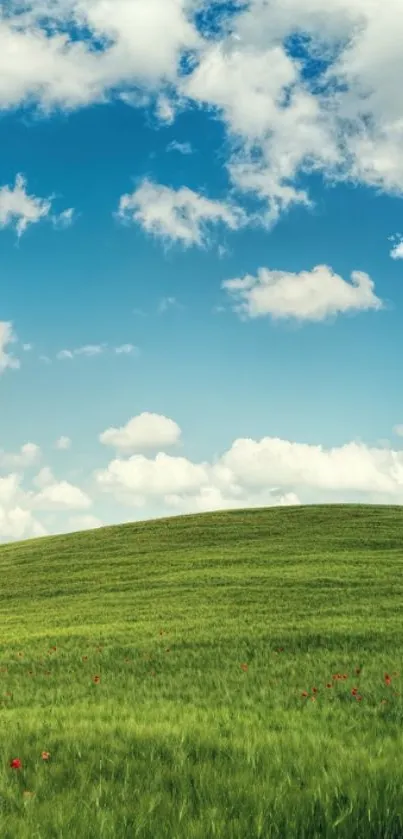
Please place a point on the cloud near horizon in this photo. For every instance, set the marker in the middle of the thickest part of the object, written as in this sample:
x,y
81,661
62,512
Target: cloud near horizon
x,y
251,473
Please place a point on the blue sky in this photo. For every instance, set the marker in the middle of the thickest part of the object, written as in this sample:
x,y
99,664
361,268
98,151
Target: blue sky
x,y
293,398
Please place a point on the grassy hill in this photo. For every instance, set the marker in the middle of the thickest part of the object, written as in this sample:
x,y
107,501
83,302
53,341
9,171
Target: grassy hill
x,y
163,667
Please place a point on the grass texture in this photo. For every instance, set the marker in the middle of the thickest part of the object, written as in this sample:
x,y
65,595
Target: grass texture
x,y
232,675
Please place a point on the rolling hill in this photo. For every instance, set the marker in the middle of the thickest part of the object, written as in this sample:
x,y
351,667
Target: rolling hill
x,y
234,674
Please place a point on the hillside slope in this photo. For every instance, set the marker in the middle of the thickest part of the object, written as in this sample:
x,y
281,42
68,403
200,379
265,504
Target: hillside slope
x,y
233,675
270,569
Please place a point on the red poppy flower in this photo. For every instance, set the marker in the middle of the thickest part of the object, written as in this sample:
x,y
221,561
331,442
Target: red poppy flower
x,y
45,755
387,679
16,763
329,685
354,691
314,690
96,679
304,694
244,667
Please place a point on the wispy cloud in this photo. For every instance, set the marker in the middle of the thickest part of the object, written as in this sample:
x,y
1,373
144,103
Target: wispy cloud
x,y
182,148
92,350
179,215
168,303
19,210
7,337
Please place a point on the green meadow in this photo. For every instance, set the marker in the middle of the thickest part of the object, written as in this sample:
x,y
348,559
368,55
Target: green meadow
x,y
233,675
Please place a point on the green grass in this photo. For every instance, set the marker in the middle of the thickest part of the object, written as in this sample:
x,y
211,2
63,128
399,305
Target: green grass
x,y
186,744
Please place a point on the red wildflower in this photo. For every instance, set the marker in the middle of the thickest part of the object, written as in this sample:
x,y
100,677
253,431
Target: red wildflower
x,y
354,691
358,698
244,667
387,679
329,685
45,755
15,763
304,694
96,679
314,690
344,676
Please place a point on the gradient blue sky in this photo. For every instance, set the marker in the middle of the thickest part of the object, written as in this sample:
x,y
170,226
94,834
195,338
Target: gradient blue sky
x,y
289,384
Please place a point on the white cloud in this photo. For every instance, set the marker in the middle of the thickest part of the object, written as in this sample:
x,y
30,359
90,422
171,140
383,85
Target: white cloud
x,y
63,443
16,521
141,45
19,209
397,250
142,432
165,109
61,496
18,524
64,219
398,429
258,473
28,455
17,505
140,477
177,215
126,349
89,350
182,148
84,523
69,53
44,478
7,336
27,347
309,295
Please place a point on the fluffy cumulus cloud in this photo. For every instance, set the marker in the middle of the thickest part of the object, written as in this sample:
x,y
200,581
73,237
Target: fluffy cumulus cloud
x,y
257,473
16,518
177,215
251,473
146,431
22,508
310,295
69,53
28,455
7,338
300,86
397,249
19,210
